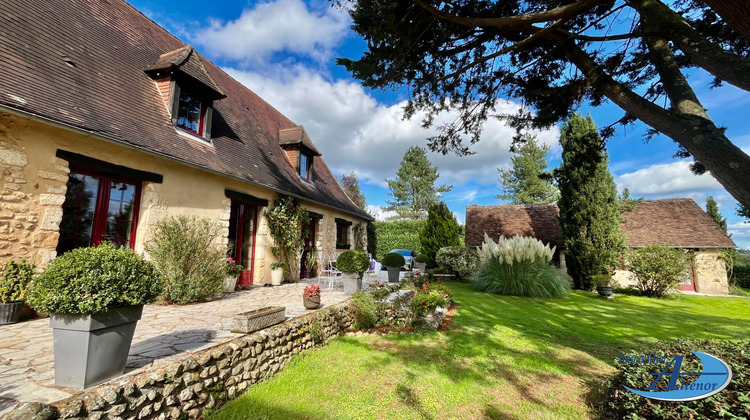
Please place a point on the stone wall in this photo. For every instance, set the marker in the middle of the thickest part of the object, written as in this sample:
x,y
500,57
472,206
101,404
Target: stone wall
x,y
201,381
710,273
31,197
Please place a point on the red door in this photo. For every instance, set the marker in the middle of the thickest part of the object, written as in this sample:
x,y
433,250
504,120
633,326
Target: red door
x,y
243,220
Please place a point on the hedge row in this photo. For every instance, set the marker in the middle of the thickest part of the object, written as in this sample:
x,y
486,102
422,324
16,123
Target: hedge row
x,y
400,234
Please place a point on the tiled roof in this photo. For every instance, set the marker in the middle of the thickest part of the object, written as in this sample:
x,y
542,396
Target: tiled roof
x,y
296,135
537,220
677,222
82,63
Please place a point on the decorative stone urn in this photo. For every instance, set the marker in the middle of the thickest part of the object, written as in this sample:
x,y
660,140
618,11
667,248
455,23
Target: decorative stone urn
x,y
312,302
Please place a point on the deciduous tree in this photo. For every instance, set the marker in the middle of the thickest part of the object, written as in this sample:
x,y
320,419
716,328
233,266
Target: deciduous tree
x,y
350,185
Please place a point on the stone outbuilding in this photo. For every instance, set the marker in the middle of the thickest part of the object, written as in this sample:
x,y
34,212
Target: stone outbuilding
x,y
109,123
676,222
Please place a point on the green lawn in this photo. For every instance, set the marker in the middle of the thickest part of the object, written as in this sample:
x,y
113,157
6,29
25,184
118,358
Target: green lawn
x,y
504,357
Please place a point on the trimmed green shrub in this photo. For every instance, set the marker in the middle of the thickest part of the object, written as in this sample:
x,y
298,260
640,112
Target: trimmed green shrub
x,y
601,280
16,281
741,275
422,259
519,267
460,261
94,280
364,310
426,300
353,262
733,402
399,234
658,269
394,259
440,230
185,253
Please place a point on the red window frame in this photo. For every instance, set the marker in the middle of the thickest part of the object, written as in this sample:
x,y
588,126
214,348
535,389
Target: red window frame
x,y
102,203
202,113
306,166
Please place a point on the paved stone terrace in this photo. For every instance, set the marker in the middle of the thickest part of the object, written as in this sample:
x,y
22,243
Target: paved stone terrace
x,y
164,333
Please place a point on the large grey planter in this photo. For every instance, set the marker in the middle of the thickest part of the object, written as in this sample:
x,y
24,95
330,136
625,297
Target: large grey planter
x,y
258,319
10,312
90,349
352,283
422,267
393,274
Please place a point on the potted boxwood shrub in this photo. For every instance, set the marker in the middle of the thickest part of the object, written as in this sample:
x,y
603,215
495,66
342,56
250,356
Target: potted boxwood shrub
x,y
13,288
353,265
422,261
393,262
277,273
603,284
311,296
233,271
95,297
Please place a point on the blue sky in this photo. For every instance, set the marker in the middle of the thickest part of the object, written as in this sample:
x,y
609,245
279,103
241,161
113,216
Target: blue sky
x,y
285,51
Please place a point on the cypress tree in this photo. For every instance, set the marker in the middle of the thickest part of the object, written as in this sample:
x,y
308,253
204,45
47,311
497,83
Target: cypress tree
x,y
589,211
440,230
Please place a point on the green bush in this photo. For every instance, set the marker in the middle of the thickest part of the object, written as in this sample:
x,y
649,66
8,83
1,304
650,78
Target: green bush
x,y
425,301
353,262
379,291
519,267
364,310
440,230
394,259
658,269
16,281
741,275
601,280
185,253
460,261
400,234
422,259
622,404
94,280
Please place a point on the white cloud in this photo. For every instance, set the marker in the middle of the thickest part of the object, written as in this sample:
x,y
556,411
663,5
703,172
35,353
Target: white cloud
x,y
356,133
667,179
740,234
280,25
379,213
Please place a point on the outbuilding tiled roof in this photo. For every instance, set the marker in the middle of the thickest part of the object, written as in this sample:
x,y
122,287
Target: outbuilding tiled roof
x,y
82,63
678,222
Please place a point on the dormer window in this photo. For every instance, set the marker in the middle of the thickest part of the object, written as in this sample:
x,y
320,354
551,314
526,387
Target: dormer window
x,y
190,113
304,166
188,91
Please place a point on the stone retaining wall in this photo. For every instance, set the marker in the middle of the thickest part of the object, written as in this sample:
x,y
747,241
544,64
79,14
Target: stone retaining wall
x,y
203,380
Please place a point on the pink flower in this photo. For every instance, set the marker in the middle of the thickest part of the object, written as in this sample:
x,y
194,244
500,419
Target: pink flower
x,y
230,260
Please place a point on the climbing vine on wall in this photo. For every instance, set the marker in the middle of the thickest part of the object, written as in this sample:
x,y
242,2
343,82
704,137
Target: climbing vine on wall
x,y
287,224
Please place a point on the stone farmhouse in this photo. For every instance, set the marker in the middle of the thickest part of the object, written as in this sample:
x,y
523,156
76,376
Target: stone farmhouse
x,y
109,123
676,222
